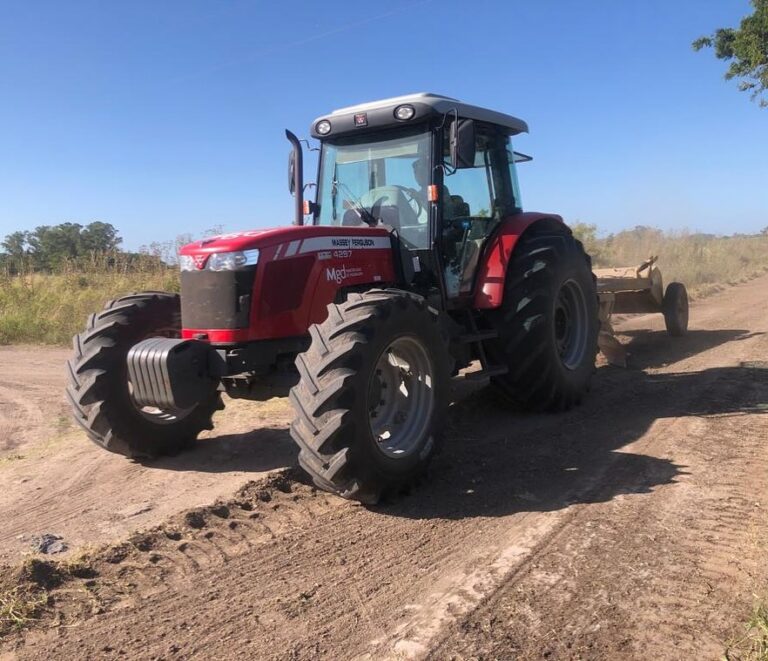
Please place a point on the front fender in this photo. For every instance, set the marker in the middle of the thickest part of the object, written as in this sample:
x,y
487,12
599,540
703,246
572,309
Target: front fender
x,y
492,272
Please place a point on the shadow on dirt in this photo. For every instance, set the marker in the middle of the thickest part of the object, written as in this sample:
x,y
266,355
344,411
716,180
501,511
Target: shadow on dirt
x,y
496,463
650,349
257,451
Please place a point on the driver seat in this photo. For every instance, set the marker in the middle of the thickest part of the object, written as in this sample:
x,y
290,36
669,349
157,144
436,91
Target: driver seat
x,y
459,208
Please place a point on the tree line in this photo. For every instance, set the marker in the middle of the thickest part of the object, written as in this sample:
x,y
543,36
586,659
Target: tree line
x,y
48,246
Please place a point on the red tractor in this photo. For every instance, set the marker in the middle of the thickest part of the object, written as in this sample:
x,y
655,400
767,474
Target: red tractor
x,y
415,260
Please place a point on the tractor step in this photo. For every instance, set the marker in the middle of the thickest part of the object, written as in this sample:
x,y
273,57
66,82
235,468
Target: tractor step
x,y
487,373
478,336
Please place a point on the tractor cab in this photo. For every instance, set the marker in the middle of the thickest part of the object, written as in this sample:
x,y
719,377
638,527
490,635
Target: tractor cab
x,y
439,173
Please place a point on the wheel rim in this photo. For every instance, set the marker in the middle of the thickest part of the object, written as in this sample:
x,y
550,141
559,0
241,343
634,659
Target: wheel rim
x,y
401,397
157,415
571,324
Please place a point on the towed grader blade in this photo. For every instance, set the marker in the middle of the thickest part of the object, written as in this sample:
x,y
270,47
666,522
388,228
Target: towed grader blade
x,y
640,290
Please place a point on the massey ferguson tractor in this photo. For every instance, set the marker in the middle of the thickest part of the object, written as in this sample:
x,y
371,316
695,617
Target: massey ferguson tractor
x,y
414,260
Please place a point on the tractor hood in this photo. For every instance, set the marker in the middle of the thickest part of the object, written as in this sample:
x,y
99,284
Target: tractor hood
x,y
267,237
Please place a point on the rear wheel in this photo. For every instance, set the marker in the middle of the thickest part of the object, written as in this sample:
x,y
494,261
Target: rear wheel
x,y
675,309
99,389
373,392
547,324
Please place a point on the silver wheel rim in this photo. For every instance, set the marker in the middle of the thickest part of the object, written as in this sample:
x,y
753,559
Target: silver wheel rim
x,y
156,415
401,397
570,324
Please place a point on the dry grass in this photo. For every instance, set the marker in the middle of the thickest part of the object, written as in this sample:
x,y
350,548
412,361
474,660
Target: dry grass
x,y
51,308
753,646
703,262
18,607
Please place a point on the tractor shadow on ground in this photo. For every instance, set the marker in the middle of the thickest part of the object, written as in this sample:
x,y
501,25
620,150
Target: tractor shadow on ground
x,y
257,451
652,349
496,462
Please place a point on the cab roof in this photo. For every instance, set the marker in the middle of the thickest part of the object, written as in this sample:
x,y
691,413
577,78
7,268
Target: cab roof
x,y
380,114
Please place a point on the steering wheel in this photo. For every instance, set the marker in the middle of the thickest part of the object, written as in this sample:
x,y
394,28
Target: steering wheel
x,y
411,196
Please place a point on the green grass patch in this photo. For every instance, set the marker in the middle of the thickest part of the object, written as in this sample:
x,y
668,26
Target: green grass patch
x,y
51,308
18,607
753,646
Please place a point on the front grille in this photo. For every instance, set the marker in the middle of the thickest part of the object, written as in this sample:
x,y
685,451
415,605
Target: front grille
x,y
216,299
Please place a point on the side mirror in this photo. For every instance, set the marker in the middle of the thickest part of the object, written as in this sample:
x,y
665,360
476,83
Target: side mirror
x,y
462,140
292,172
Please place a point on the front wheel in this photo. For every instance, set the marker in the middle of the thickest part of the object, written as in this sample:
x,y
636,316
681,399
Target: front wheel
x,y
373,392
99,388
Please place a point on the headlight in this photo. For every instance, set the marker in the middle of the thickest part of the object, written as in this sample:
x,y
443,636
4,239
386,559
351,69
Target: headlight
x,y
230,261
323,127
186,262
405,112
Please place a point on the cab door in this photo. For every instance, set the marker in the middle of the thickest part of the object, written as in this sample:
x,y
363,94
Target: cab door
x,y
475,199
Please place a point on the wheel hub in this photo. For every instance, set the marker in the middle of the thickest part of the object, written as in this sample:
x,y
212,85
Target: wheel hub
x,y
400,397
571,324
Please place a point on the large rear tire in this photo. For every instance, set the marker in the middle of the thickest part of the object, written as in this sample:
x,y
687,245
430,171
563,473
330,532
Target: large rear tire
x,y
548,323
99,390
373,393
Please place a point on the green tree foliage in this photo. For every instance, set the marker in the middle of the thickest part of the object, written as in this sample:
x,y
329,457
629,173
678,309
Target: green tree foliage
x,y
747,49
587,234
15,244
46,246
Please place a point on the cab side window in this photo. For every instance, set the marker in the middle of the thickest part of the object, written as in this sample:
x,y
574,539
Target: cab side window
x,y
470,189
476,200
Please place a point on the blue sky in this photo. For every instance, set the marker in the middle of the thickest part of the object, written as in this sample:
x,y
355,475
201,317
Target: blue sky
x,y
168,117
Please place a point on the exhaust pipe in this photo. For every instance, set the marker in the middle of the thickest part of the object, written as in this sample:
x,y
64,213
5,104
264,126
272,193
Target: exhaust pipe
x,y
296,176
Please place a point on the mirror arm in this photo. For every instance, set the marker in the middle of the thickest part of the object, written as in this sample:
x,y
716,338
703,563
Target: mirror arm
x,y
309,146
298,178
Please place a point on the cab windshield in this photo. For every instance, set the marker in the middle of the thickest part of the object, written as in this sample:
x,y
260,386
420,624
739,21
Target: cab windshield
x,y
371,180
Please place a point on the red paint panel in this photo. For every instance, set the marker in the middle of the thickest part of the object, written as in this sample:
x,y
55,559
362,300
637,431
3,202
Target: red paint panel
x,y
489,290
299,273
220,336
283,284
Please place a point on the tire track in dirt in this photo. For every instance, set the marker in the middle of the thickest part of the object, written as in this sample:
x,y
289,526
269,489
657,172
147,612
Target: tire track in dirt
x,y
683,592
55,480
27,399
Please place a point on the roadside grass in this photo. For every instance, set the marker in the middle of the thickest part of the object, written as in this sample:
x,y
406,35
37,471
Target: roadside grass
x,y
49,308
753,646
705,263
18,607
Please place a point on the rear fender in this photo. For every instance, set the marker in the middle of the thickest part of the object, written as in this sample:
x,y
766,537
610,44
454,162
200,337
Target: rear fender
x,y
492,272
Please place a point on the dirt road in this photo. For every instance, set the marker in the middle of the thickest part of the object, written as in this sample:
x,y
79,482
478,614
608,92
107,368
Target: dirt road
x,y
632,527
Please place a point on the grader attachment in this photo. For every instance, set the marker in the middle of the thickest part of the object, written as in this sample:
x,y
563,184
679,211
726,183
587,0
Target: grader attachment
x,y
629,290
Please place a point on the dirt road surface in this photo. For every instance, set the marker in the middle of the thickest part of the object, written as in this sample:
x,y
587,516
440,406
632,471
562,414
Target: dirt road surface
x,y
633,527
